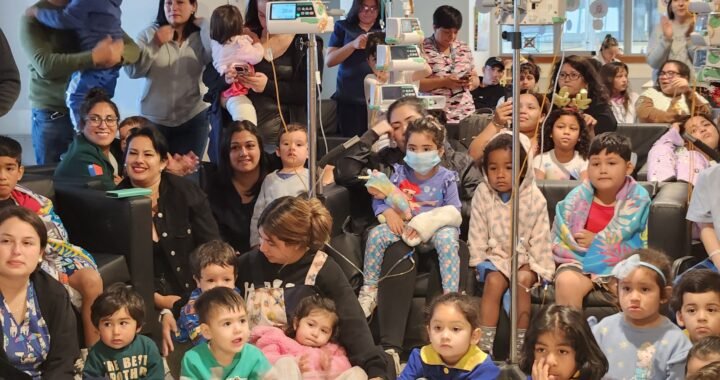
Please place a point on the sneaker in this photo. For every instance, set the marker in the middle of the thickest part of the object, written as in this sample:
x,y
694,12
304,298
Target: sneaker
x,y
368,299
396,360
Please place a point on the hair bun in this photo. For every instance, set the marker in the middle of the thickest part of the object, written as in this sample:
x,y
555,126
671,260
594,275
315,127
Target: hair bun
x,y
97,93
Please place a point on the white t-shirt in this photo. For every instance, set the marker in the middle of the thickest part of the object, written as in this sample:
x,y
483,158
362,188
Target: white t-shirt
x,y
554,169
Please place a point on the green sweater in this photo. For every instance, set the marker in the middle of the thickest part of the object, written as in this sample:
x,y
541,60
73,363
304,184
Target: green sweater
x,y
86,160
138,360
200,364
54,56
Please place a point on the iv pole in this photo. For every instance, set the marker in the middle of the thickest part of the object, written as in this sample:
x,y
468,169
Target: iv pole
x,y
511,370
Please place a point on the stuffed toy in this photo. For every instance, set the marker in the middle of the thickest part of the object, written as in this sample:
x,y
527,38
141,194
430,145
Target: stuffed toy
x,y
380,187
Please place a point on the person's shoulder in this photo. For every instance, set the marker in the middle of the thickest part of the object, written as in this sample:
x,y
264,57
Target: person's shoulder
x,y
46,285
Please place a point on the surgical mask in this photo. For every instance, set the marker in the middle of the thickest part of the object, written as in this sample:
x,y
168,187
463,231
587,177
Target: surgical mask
x,y
422,162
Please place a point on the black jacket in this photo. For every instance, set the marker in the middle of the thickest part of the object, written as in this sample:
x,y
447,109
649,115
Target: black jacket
x,y
355,337
9,77
57,311
183,222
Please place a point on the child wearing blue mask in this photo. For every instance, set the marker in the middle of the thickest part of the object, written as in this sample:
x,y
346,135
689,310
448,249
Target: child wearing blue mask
x,y
433,196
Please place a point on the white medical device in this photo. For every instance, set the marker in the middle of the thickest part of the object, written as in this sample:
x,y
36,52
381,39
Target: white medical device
x,y
532,12
399,58
386,94
298,17
403,31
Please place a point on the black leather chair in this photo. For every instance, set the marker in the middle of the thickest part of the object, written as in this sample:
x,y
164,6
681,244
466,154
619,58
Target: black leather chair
x,y
642,137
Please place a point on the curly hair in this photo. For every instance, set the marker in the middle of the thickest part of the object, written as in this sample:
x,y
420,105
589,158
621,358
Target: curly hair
x,y
595,87
583,144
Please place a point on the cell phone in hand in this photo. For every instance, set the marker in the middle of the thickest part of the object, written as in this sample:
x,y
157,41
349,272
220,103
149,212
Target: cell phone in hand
x,y
242,69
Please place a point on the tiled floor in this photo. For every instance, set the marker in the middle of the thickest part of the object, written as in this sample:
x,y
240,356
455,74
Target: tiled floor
x,y
28,156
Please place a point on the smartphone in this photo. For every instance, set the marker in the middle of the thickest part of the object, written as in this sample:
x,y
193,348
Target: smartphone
x,y
242,69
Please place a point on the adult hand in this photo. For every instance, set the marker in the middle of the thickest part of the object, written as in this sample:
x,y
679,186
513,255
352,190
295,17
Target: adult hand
x,y
164,34
394,221
540,370
382,128
304,364
169,328
255,82
107,53
360,42
31,12
667,28
590,121
584,238
454,83
182,164
503,114
680,85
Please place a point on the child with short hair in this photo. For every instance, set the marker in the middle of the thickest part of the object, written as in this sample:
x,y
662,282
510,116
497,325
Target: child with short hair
x,y
640,341
559,342
708,372
703,352
696,302
212,264
565,147
227,353
599,221
71,265
235,52
128,125
291,180
122,353
453,326
489,236
307,349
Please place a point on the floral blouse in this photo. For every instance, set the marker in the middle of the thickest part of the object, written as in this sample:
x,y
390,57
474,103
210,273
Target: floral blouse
x,y
27,344
459,62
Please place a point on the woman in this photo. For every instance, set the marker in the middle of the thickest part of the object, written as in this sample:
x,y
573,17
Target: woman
x,y
232,191
38,322
181,220
672,97
454,74
95,154
622,99
347,48
609,50
672,157
671,38
174,52
293,231
577,73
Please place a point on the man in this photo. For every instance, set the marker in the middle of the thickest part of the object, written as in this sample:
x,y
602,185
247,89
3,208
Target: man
x,y
490,91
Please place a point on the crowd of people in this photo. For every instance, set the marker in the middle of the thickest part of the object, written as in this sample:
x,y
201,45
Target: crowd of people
x,y
242,280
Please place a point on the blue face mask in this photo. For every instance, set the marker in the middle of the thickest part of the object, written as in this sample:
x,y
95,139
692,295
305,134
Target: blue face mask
x,y
422,162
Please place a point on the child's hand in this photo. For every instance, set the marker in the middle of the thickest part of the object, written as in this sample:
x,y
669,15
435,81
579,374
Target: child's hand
x,y
304,364
410,233
382,76
540,370
164,34
584,238
394,221
324,360
169,328
590,121
31,12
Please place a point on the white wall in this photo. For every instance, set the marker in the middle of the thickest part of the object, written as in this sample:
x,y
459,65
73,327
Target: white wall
x,y
138,14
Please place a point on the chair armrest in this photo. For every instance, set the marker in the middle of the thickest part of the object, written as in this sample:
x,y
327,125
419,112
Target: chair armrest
x,y
337,200
679,266
668,229
120,226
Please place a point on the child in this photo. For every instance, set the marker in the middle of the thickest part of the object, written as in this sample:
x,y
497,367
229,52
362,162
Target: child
x,y
128,125
672,157
565,146
425,138
560,345
71,265
703,352
708,372
93,20
292,179
212,264
622,99
599,221
453,325
234,52
122,353
309,344
226,354
489,236
696,302
640,341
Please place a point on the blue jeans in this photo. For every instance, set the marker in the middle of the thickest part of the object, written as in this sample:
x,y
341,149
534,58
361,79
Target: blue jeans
x,y
82,82
52,133
189,136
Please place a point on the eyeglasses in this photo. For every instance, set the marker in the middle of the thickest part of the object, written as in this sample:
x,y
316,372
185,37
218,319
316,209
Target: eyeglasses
x,y
367,9
96,120
669,74
570,76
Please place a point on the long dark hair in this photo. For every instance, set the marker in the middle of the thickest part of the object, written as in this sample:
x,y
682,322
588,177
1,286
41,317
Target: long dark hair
x,y
608,73
190,27
589,358
225,168
252,21
352,15
157,139
583,143
29,217
595,87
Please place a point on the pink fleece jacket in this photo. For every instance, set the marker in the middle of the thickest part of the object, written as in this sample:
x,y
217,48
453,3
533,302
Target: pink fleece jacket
x,y
273,342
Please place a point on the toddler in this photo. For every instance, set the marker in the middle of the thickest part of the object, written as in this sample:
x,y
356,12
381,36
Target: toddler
x,y
696,302
703,352
565,146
